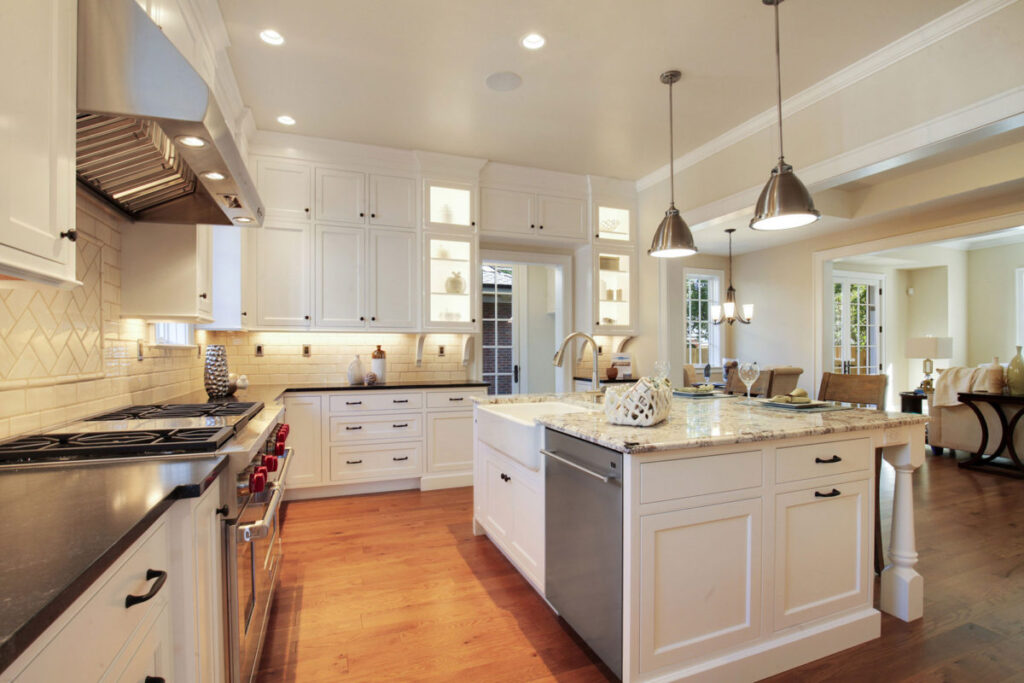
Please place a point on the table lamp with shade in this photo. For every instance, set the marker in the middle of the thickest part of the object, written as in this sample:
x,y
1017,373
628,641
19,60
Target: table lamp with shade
x,y
929,348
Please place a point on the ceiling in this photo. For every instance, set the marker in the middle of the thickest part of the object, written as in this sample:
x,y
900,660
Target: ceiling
x,y
401,73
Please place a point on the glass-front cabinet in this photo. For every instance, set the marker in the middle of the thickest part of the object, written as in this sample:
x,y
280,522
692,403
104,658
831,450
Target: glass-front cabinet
x,y
451,291
614,222
614,288
449,205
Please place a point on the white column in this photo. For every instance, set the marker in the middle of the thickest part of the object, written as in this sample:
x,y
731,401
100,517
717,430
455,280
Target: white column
x,y
902,587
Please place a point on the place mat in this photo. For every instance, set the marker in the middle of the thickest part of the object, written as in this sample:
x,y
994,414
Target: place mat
x,y
715,394
803,411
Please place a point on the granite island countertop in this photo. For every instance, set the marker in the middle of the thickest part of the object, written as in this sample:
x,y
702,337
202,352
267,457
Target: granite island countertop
x,y
698,423
65,525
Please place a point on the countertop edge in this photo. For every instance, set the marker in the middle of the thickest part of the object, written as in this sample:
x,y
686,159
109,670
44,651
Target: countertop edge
x,y
21,639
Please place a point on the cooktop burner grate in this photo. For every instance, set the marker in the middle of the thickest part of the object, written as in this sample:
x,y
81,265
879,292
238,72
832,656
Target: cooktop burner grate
x,y
99,445
244,411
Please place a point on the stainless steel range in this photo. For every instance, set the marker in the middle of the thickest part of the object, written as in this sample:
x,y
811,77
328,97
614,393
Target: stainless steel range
x,y
252,490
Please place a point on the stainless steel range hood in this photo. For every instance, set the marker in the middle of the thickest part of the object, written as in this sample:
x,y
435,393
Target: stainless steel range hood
x,y
139,105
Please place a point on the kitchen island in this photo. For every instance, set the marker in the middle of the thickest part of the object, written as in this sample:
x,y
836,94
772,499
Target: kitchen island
x,y
746,531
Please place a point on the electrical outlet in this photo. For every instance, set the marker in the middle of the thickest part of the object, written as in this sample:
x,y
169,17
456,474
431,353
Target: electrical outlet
x,y
259,350
305,351
440,351
600,350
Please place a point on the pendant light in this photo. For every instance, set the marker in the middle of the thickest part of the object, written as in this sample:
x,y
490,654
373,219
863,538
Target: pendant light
x,y
784,202
727,313
673,237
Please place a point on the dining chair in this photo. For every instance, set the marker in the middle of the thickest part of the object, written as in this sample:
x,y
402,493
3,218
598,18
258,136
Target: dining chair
x,y
865,390
784,379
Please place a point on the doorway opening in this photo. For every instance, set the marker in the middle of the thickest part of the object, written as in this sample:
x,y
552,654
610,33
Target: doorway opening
x,y
857,328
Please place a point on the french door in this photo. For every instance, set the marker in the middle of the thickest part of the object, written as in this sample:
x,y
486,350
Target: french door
x,y
857,324
500,347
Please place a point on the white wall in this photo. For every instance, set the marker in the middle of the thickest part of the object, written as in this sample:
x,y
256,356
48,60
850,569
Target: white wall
x,y
991,302
538,344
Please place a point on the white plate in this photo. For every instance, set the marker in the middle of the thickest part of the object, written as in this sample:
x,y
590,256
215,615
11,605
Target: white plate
x,y
796,406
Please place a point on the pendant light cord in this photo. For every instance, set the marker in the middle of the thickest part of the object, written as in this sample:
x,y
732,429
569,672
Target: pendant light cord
x,y
778,76
671,152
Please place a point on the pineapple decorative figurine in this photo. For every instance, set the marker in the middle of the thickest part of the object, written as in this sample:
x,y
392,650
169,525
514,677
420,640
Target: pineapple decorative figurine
x,y
1015,375
215,375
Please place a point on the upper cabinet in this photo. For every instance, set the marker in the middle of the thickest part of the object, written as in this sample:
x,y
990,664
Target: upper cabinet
x,y
285,187
449,205
392,201
613,222
37,167
283,274
511,212
166,272
451,282
340,196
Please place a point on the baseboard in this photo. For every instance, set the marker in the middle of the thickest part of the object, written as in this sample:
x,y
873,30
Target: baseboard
x,y
432,482
334,490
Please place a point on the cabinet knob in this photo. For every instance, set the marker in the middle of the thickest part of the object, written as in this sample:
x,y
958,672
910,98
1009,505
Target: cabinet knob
x,y
532,226
223,510
373,215
70,235
306,317
307,209
244,313
598,322
362,318
373,317
473,223
542,227
155,679
473,320
203,295
362,215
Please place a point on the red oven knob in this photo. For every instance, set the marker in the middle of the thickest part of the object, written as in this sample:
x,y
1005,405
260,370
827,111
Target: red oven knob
x,y
258,480
279,448
270,462
283,431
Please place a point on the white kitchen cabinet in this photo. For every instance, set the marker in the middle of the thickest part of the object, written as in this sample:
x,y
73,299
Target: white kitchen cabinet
x,y
700,581
285,188
449,205
37,167
451,288
340,196
283,274
304,415
151,657
231,292
166,272
207,540
394,272
512,212
376,462
392,201
499,506
613,222
340,276
449,440
606,277
823,551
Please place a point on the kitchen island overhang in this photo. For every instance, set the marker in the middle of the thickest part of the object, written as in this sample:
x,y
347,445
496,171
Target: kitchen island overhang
x,y
748,534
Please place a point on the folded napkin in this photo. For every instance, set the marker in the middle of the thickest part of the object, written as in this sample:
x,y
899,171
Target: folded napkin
x,y
953,381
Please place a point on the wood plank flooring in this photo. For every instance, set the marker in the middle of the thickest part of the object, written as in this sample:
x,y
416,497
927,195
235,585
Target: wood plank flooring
x,y
394,587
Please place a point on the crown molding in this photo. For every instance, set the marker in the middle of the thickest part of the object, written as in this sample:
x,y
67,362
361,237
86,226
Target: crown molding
x,y
934,31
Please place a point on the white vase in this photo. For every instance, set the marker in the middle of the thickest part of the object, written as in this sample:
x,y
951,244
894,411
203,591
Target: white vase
x,y
355,371
379,365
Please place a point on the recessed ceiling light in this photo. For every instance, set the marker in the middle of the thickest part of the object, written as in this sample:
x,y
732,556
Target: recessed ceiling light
x,y
191,141
503,81
271,37
532,41
213,175
243,219
285,120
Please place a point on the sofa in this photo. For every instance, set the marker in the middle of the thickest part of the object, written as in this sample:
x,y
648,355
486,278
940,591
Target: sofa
x,y
956,427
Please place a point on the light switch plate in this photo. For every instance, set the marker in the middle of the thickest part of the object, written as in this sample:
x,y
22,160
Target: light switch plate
x,y
305,351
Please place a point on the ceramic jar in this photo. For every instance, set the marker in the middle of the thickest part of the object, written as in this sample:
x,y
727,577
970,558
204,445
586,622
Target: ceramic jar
x,y
455,284
379,364
1015,375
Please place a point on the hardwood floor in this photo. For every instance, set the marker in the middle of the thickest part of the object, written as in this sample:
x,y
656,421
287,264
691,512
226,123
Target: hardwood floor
x,y
394,587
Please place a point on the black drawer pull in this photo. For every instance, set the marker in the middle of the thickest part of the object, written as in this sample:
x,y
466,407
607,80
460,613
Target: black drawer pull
x,y
161,578
353,429
404,424
831,494
395,400
460,398
353,462
400,459
822,461
161,679
353,403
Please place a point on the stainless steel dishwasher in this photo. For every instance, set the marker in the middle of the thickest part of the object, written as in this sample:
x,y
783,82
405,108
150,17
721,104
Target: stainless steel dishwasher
x,y
583,541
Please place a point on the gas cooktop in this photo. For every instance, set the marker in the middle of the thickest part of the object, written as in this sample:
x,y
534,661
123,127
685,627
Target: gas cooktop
x,y
100,445
244,411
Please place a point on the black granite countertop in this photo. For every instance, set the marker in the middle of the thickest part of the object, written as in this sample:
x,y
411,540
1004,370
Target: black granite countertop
x,y
64,526
605,380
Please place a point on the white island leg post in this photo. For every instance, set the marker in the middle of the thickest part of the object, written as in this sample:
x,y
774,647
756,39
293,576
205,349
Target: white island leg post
x,y
902,587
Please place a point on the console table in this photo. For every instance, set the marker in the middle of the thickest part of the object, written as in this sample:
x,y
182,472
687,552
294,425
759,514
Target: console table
x,y
1009,409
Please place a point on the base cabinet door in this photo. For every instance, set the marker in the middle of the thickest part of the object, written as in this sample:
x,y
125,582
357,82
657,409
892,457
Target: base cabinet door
x,y
528,532
152,659
209,587
500,507
450,441
700,581
303,414
823,549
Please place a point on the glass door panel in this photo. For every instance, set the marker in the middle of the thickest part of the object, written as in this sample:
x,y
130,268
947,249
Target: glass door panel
x,y
613,290
613,223
450,205
500,352
857,326
450,280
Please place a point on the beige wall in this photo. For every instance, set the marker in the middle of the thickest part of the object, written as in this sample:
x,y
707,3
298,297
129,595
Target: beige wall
x,y
539,345
52,333
992,304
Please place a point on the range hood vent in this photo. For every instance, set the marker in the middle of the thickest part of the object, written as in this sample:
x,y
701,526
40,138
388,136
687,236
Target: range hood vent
x,y
138,97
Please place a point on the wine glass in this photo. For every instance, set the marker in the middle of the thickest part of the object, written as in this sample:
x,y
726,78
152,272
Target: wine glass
x,y
661,370
749,372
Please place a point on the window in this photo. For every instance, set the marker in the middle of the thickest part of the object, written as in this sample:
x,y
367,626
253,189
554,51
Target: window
x,y
703,338
499,348
173,334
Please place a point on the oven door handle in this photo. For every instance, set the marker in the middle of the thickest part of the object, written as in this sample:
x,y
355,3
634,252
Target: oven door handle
x,y
261,529
283,472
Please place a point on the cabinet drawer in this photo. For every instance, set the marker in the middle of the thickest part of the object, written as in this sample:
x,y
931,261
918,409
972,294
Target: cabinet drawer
x,y
95,635
360,402
450,400
670,479
362,428
794,463
387,461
